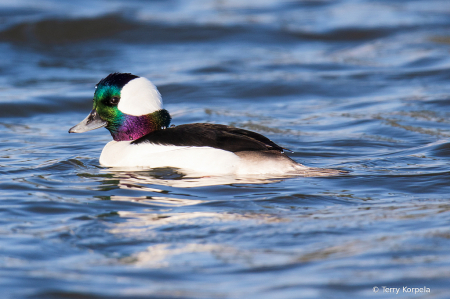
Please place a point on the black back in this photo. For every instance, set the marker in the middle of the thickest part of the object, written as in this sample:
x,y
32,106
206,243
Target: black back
x,y
211,135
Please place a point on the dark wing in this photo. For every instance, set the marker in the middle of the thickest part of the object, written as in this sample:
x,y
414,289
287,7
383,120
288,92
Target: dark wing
x,y
211,135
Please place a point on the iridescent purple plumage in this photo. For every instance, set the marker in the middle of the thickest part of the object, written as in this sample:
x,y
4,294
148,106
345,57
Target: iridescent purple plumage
x,y
129,127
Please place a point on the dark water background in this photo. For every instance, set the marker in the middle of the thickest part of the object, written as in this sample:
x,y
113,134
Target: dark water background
x,y
357,85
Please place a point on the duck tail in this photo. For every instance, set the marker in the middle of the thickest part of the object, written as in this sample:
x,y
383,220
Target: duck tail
x,y
320,172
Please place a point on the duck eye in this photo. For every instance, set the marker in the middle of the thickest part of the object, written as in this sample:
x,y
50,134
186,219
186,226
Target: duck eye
x,y
114,100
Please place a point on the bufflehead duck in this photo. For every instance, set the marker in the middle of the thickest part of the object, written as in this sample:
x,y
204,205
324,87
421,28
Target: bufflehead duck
x,y
130,107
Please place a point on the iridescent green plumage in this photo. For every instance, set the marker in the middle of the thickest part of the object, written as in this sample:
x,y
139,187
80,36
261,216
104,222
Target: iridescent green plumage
x,y
102,96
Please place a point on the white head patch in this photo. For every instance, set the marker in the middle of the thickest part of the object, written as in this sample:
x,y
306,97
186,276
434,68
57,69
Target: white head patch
x,y
139,97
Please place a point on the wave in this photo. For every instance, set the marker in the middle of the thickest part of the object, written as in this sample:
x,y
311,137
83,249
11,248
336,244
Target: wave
x,y
113,26
123,27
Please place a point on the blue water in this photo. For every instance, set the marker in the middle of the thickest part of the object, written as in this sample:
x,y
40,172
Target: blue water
x,y
355,85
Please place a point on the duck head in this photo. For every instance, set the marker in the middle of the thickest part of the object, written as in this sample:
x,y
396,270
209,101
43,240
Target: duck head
x,y
127,105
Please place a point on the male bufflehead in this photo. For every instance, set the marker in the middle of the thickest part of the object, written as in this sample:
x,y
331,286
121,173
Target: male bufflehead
x,y
130,107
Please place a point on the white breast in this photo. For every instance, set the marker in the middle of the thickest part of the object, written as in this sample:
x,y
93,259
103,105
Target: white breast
x,y
204,160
